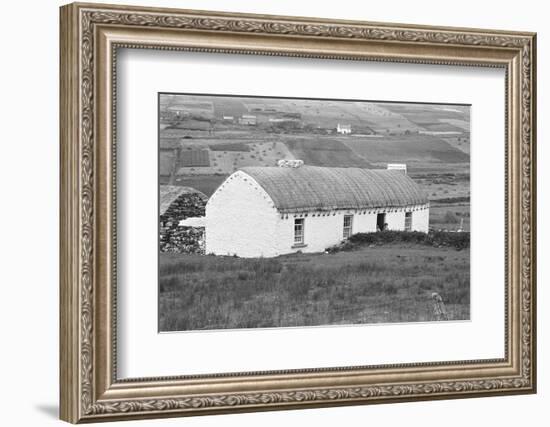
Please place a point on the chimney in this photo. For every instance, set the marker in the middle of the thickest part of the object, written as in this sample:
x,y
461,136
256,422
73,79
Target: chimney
x,y
402,167
286,163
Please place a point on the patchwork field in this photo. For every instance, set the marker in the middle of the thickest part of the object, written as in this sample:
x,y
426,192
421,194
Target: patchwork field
x,y
373,284
426,137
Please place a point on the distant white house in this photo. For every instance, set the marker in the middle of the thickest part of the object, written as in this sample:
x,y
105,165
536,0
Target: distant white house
x,y
343,129
270,211
397,167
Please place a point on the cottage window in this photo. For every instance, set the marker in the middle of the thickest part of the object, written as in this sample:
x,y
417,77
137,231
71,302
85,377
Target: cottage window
x,y
299,231
408,221
348,225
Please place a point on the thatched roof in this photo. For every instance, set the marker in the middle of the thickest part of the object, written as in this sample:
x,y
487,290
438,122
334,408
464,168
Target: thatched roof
x,y
168,194
312,188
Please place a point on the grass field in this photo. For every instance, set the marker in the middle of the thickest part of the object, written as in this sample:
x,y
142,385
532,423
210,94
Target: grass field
x,y
206,184
321,151
373,284
450,217
406,149
443,185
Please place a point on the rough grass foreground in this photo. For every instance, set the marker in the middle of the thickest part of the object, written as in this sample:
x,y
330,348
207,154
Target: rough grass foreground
x,y
371,283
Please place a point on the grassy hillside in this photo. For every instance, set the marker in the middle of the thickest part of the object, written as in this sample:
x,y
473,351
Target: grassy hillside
x,y
406,149
430,116
325,152
206,184
371,284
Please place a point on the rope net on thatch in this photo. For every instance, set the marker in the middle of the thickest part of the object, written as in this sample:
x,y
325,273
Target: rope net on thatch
x,y
314,188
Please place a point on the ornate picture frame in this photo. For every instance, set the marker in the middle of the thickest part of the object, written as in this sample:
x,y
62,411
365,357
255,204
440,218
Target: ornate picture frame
x,y
90,37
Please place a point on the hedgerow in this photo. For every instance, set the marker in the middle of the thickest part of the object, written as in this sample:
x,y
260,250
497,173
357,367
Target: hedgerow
x,y
433,238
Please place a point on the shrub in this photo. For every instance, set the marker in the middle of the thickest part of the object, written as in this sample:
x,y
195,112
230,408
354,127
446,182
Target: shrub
x,y
390,289
242,275
450,218
433,238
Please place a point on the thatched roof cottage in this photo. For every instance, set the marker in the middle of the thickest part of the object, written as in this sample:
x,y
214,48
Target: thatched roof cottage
x,y
270,211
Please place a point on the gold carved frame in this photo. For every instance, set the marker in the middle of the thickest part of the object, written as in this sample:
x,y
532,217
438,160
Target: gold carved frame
x,y
90,36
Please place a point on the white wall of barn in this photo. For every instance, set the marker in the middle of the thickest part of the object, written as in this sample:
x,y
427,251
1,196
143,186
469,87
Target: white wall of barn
x,y
241,219
421,220
395,220
320,232
363,223
322,229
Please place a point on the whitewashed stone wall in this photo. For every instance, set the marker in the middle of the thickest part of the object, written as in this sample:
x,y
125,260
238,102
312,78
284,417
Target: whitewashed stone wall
x,y
396,220
241,219
320,231
364,222
421,219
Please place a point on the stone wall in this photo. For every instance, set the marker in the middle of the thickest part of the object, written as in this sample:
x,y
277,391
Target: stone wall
x,y
184,240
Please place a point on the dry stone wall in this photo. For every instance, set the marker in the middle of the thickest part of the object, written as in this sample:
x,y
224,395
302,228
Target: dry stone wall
x,y
184,240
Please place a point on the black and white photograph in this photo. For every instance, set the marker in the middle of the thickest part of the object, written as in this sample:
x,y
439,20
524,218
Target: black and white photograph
x,y
261,212
278,212
289,212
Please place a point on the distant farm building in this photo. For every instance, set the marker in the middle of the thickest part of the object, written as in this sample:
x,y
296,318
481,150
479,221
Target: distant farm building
x,y
247,119
179,110
270,211
176,205
397,167
343,129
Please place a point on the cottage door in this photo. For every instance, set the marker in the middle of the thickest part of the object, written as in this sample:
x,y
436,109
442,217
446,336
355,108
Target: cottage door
x,y
380,221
